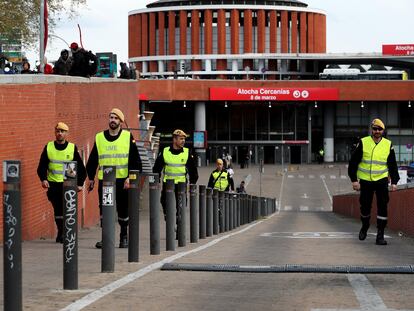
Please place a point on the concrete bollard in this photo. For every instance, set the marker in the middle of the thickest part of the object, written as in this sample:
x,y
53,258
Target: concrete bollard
x,y
202,211
194,214
12,236
133,213
181,213
70,227
170,211
216,212
108,219
154,210
209,212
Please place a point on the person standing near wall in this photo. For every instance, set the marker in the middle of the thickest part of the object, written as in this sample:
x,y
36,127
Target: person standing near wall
x,y
115,147
371,166
51,171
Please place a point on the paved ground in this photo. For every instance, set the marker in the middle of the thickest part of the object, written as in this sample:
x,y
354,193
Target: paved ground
x,y
304,232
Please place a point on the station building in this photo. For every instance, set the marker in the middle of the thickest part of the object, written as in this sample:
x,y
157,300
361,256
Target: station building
x,y
245,78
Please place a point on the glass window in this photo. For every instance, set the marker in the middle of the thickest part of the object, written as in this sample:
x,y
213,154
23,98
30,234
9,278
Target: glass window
x,y
236,122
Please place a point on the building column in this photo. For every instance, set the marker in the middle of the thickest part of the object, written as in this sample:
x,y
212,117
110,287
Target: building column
x,y
200,125
309,134
328,132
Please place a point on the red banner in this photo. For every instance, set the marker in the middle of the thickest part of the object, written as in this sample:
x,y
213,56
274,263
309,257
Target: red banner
x,y
274,94
398,49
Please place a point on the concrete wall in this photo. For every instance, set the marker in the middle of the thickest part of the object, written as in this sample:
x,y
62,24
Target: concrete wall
x,y
400,209
30,106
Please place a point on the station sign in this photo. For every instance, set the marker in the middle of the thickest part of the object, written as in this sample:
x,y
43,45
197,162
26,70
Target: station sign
x,y
274,94
398,49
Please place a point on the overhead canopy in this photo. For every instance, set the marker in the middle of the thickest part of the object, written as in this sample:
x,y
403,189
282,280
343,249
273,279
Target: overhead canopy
x,y
166,3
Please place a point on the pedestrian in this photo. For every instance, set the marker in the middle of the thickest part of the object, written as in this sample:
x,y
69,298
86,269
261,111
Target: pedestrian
x,y
242,187
321,153
220,178
114,147
175,162
26,68
230,171
63,64
84,63
125,72
51,171
371,166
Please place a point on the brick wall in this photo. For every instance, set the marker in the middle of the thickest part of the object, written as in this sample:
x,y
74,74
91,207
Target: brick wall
x,y
400,209
28,113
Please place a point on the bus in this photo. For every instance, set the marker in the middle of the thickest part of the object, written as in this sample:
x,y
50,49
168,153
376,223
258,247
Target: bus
x,y
356,74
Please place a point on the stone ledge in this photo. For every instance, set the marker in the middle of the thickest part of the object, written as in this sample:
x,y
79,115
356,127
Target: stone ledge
x,y
47,79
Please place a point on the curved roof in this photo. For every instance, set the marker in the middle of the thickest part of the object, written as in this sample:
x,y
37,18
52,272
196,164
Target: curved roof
x,y
167,3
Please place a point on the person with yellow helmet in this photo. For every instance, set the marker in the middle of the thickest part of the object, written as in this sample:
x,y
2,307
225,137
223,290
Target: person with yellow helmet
x,y
175,162
371,166
220,178
115,147
51,171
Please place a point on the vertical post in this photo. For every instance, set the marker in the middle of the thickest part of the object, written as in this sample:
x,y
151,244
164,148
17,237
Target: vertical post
x,y
170,210
154,201
70,226
231,207
215,211
12,236
181,212
133,213
193,214
209,208
221,211
202,211
226,211
235,211
108,218
42,36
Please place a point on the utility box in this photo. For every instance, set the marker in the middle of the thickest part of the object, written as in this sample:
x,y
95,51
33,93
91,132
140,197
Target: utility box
x,y
107,65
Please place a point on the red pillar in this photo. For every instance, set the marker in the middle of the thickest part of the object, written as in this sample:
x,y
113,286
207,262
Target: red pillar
x,y
144,34
248,37
284,32
311,28
172,64
195,39
303,46
153,66
273,41
161,33
183,32
221,38
234,19
208,32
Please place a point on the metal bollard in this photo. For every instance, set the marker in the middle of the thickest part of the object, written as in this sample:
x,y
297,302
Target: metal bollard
x,y
12,236
238,210
242,209
181,218
221,211
133,213
70,227
154,202
193,214
249,208
170,210
215,211
256,208
226,211
202,211
108,219
235,211
231,211
209,211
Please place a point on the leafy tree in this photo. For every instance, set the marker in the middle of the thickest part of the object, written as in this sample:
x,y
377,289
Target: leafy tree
x,y
20,19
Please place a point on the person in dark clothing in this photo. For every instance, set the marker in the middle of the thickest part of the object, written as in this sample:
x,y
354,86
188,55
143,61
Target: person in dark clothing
x,y
220,179
125,72
26,68
242,187
84,63
63,64
175,162
117,147
371,166
51,171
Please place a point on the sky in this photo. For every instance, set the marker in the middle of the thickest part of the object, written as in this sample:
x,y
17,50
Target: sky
x,y
352,26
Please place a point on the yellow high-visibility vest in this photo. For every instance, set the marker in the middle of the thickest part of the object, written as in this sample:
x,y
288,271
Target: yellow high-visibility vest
x,y
175,165
221,182
113,153
373,165
57,160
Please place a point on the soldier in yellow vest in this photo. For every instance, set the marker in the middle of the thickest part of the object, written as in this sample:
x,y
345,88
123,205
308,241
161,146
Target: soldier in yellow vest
x,y
175,162
116,147
51,171
220,179
371,167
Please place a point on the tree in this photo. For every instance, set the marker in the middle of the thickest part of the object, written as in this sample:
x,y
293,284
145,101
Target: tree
x,y
20,19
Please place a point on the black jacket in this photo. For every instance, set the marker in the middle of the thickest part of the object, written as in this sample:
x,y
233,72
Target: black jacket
x,y
190,165
357,157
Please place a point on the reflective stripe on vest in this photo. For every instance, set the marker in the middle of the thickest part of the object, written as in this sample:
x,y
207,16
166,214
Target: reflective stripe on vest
x,y
115,153
222,182
57,160
175,165
373,165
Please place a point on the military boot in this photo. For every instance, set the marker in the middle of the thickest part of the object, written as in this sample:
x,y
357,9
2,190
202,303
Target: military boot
x,y
380,237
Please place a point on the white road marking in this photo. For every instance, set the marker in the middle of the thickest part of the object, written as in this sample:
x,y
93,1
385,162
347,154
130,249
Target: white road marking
x,y
311,176
301,176
291,176
288,208
322,176
281,192
367,296
333,177
304,196
304,208
327,190
344,177
103,291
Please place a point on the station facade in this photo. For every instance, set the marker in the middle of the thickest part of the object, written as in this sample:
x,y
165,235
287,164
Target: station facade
x,y
242,77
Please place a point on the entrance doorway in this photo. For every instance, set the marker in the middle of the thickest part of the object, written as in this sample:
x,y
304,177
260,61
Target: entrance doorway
x,y
295,155
269,154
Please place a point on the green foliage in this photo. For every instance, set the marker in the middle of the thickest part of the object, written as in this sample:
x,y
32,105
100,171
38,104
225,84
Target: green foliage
x,y
21,18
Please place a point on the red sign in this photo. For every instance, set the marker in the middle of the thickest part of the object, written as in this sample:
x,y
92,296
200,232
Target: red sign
x,y
398,49
274,94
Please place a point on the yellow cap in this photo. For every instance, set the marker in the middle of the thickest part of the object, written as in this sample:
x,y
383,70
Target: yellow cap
x,y
62,126
179,133
118,113
219,161
378,122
